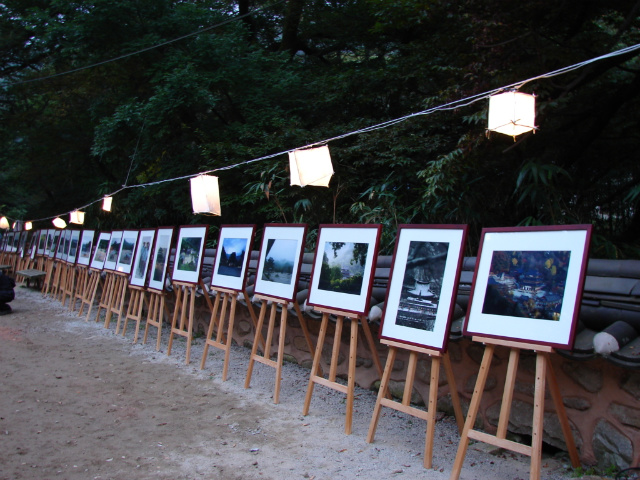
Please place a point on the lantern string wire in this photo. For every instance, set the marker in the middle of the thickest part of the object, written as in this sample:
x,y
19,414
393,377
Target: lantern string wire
x,y
456,104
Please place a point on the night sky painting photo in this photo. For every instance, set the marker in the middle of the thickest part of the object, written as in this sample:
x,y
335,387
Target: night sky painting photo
x,y
527,284
279,260
422,284
232,256
343,267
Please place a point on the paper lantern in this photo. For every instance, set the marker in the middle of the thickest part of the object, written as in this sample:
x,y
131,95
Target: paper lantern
x,y
28,226
512,113
106,203
4,223
59,223
311,166
76,217
205,195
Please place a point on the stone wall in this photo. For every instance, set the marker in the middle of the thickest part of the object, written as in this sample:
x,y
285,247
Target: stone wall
x,y
601,399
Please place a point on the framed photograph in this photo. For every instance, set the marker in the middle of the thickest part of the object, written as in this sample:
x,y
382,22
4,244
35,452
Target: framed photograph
x,y
143,256
100,254
423,284
49,245
528,284
113,251
343,268
74,241
63,246
85,247
232,256
23,243
189,249
127,247
55,243
280,259
160,258
42,242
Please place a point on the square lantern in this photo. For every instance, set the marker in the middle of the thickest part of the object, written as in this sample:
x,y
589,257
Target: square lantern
x,y
76,217
4,223
106,203
28,226
512,113
311,166
59,223
205,195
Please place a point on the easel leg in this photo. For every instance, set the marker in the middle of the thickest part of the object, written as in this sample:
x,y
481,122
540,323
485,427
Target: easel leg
x,y
473,411
254,348
453,391
431,409
212,321
507,394
382,391
562,415
174,319
538,417
351,379
316,362
283,332
227,350
192,308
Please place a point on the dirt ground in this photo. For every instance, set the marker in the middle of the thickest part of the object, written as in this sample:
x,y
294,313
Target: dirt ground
x,y
79,402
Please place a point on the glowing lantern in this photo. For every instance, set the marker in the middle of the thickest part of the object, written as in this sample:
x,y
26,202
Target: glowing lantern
x,y
106,203
512,113
76,217
4,223
59,223
311,166
205,195
28,226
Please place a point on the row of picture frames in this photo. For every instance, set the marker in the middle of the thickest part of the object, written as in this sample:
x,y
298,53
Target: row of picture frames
x,y
527,284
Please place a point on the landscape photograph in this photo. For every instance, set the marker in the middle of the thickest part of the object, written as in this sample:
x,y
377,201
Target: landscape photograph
x,y
188,256
232,256
101,250
527,284
343,267
279,260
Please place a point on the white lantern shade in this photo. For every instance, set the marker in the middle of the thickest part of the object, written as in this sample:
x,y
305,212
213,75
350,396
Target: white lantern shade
x,y
76,217
4,223
106,203
512,113
28,225
311,166
59,223
205,195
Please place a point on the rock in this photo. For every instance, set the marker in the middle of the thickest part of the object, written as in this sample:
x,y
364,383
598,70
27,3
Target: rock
x,y
626,415
301,343
470,384
610,446
577,403
243,327
363,362
586,376
631,384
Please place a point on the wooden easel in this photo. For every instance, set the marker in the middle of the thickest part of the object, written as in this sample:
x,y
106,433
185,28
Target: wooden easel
x,y
429,415
185,308
544,375
69,284
217,322
90,292
134,310
116,306
348,389
48,279
265,358
106,297
155,315
82,279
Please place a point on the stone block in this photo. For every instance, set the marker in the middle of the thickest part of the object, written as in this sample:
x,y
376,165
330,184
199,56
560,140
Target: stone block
x,y
577,403
243,327
631,384
423,372
611,446
588,377
455,352
476,352
300,343
364,362
470,384
626,415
